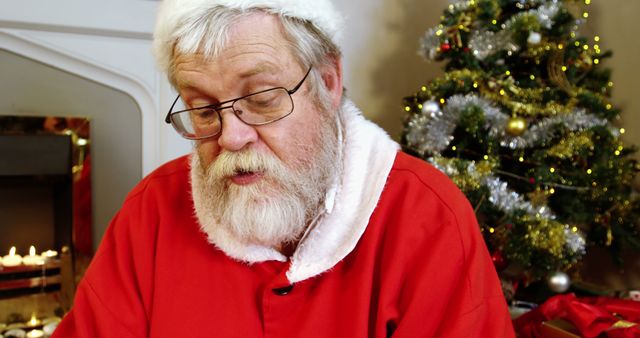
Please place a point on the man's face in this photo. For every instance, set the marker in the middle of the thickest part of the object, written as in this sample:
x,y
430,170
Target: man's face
x,y
263,182
256,58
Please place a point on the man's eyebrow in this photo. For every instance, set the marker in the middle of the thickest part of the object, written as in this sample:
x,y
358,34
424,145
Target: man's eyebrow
x,y
261,68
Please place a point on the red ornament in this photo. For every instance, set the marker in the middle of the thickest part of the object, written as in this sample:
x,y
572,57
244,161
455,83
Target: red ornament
x,y
499,261
509,226
445,47
466,49
532,180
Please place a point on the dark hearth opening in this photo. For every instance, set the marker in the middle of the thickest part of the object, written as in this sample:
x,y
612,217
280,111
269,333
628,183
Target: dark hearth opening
x,y
36,201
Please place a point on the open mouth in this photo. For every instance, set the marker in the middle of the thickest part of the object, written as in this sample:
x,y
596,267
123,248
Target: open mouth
x,y
244,177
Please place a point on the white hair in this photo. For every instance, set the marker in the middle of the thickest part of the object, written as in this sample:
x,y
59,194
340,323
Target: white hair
x,y
312,27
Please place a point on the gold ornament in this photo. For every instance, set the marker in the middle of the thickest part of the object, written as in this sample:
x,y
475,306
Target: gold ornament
x,y
556,72
516,126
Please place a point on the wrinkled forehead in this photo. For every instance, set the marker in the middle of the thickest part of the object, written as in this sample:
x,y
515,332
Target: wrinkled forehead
x,y
253,37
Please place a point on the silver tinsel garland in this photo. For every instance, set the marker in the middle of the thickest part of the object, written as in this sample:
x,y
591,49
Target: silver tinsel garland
x,y
544,14
574,241
578,120
430,44
483,42
433,131
509,201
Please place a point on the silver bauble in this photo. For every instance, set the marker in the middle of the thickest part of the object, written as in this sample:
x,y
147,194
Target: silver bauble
x,y
431,108
534,38
559,282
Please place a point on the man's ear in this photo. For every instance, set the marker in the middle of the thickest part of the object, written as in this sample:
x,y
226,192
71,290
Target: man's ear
x,y
332,78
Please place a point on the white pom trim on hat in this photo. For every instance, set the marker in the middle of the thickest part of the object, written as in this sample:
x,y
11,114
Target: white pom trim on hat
x,y
321,13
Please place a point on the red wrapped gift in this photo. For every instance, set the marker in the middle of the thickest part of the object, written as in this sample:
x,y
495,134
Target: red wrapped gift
x,y
591,316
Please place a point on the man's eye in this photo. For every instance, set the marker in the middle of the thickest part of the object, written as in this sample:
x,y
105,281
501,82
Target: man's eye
x,y
261,101
203,114
264,100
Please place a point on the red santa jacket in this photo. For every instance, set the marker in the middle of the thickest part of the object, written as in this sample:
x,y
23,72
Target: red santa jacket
x,y
398,255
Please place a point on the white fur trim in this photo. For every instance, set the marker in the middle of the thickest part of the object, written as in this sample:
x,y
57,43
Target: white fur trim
x,y
171,14
369,154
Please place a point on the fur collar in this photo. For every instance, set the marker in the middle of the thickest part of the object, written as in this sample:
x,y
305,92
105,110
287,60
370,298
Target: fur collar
x,y
368,155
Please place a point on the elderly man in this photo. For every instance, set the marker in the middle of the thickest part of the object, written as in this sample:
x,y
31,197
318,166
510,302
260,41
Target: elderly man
x,y
294,216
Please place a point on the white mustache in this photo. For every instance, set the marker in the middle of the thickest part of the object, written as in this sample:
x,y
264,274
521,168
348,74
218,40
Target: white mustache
x,y
232,163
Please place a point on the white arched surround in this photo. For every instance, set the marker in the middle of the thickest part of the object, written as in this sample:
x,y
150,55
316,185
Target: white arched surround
x,y
112,48
24,46
109,45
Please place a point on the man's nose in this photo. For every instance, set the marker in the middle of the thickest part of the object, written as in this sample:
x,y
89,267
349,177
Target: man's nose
x,y
235,134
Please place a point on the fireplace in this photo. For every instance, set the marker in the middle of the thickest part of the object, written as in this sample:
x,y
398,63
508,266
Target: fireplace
x,y
45,205
56,60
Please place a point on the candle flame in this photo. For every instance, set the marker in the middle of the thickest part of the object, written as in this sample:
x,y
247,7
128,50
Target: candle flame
x,y
49,253
33,321
32,250
12,251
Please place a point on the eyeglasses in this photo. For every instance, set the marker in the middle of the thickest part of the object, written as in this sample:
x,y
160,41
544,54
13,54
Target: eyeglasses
x,y
256,109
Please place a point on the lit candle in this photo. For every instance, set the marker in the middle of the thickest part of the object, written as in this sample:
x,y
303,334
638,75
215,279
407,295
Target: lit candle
x,y
34,321
32,259
12,259
49,254
35,334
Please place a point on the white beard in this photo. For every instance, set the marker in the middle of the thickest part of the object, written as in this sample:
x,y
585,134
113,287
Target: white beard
x,y
275,210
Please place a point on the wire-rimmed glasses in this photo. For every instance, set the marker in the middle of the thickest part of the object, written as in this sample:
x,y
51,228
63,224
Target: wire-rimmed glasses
x,y
256,109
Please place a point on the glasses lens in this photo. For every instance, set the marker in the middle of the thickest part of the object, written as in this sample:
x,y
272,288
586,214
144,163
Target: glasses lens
x,y
196,123
264,107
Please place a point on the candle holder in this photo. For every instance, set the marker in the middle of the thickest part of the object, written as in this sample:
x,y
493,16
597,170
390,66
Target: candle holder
x,y
29,293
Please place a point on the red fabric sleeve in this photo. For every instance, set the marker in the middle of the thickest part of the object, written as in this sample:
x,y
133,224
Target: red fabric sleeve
x,y
470,303
114,297
449,286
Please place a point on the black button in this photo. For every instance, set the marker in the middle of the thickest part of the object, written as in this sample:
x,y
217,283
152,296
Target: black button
x,y
283,290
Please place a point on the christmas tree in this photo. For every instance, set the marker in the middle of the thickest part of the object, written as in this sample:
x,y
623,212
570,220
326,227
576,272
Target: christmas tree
x,y
523,124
